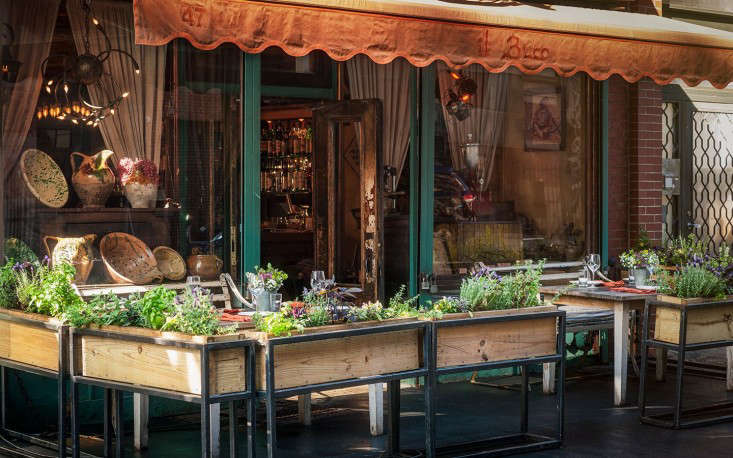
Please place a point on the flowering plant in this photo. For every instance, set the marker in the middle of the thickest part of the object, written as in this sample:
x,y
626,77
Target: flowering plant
x,y
269,279
140,171
640,259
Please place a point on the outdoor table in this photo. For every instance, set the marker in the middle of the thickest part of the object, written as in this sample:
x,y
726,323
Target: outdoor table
x,y
622,304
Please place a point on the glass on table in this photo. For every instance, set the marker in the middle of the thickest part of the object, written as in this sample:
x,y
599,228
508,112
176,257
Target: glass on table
x,y
593,262
276,301
318,278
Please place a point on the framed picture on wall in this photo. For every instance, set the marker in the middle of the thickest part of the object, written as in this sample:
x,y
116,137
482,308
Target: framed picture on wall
x,y
543,117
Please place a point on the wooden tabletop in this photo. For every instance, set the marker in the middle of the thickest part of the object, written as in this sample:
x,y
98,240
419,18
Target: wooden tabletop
x,y
600,292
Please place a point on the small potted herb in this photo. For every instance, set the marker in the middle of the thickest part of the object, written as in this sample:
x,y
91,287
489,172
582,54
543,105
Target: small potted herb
x,y
641,263
264,282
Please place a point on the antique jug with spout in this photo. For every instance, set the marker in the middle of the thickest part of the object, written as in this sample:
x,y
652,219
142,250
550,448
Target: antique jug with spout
x,y
78,251
92,179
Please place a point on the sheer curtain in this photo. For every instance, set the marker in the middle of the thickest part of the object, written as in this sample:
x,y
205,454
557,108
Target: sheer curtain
x,y
485,123
33,23
135,129
389,83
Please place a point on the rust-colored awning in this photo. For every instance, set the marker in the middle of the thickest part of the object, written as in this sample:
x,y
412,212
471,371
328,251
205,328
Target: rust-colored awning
x,y
495,34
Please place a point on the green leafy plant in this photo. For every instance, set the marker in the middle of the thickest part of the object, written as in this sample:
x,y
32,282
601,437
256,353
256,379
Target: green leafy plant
x,y
681,251
690,282
316,316
16,250
195,314
8,282
46,290
485,290
277,324
103,310
154,307
401,305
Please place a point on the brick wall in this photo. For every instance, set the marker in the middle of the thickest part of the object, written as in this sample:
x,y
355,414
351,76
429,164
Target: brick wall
x,y
634,163
645,161
618,190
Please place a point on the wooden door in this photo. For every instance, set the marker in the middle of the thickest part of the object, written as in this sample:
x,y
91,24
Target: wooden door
x,y
333,126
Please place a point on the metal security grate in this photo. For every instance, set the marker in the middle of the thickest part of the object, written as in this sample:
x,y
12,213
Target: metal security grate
x,y
712,177
671,151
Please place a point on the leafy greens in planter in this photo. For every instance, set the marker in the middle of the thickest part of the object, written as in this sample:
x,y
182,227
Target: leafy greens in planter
x,y
485,290
45,290
692,281
326,307
154,306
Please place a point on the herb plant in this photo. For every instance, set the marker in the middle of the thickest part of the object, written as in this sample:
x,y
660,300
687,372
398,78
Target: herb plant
x,y
692,281
8,281
46,290
104,310
154,306
195,314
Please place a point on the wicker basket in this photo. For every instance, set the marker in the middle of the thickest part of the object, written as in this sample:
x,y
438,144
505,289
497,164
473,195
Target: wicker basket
x,y
128,259
170,263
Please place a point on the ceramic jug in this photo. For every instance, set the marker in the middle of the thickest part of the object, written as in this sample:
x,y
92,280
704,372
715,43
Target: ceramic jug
x,y
78,251
92,179
206,266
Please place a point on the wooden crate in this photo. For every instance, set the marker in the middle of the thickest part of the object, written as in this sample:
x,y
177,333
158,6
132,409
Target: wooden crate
x,y
22,342
157,365
343,358
704,324
497,341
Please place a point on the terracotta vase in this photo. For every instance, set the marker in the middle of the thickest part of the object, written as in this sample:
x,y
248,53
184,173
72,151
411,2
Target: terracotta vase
x,y
92,179
141,195
77,251
206,266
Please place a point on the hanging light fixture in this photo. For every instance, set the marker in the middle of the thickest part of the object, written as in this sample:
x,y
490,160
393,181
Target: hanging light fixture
x,y
69,88
460,96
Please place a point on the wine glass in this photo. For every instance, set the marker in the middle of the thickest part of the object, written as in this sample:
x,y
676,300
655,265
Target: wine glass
x,y
318,278
593,261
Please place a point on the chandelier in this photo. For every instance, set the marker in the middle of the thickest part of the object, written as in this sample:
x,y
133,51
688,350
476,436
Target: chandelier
x,y
69,89
459,98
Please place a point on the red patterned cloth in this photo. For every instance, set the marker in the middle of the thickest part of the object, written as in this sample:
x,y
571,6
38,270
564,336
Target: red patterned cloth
x,y
634,290
614,284
234,316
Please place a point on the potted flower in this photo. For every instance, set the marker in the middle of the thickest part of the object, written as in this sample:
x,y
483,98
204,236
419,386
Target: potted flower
x,y
264,282
139,179
640,263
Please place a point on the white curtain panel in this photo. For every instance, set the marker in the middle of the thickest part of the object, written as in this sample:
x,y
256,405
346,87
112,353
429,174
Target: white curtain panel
x,y
33,23
485,123
389,83
135,129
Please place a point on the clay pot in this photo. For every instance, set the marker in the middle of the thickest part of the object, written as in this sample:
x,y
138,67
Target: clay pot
x,y
141,195
77,251
128,259
206,266
92,179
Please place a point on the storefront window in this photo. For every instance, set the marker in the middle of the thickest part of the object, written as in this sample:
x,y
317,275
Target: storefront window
x,y
511,166
128,148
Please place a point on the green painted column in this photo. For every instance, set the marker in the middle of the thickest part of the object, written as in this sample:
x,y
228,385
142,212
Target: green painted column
x,y
604,174
250,179
427,167
414,159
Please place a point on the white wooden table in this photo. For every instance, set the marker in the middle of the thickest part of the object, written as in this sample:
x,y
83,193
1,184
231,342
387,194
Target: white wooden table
x,y
622,304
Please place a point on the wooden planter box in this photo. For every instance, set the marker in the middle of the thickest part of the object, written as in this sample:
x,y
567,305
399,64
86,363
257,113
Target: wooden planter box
x,y
496,341
160,365
710,323
23,341
334,359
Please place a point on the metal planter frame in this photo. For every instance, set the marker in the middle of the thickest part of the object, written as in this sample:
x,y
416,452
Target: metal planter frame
x,y
270,394
61,377
522,442
206,399
675,418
